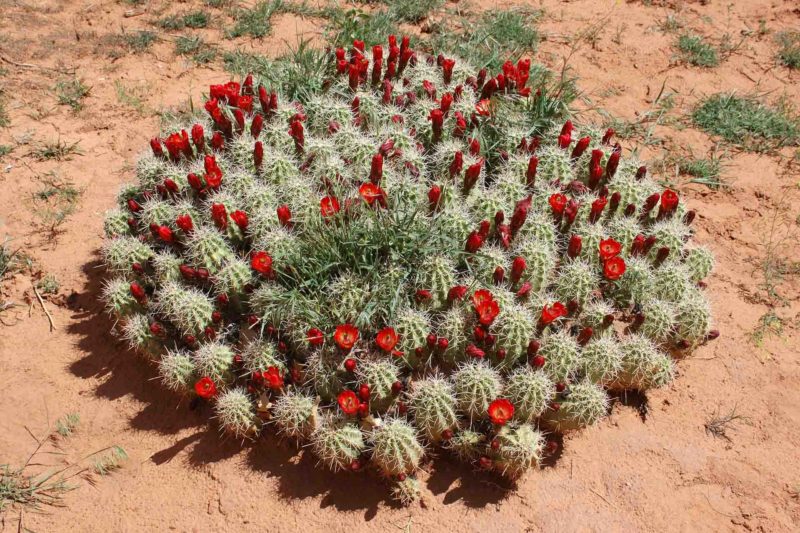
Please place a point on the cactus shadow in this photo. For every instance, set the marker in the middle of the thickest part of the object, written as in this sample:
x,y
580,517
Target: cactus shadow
x,y
118,370
460,483
299,477
636,399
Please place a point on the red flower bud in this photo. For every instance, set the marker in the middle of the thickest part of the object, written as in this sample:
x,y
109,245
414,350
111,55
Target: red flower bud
x,y
241,219
256,126
456,293
474,242
499,275
217,142
530,174
472,174
557,203
457,164
612,164
423,295
220,216
607,136
138,292
574,248
580,147
474,351
285,216
434,195
376,169
597,209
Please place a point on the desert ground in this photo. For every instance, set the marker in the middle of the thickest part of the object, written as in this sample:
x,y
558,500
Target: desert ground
x,y
717,450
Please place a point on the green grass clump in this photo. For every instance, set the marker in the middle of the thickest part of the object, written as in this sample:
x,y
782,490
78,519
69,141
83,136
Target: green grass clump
x,y
696,51
298,74
747,122
140,41
412,10
67,424
705,171
5,149
71,93
490,40
789,52
58,151
344,26
193,19
195,48
4,120
256,21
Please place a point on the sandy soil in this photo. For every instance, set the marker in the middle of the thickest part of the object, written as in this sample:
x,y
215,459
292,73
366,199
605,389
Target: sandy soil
x,y
653,473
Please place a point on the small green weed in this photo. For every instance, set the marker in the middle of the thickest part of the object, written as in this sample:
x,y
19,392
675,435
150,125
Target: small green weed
x,y
195,48
67,424
58,151
54,202
412,11
694,50
345,26
49,284
789,49
747,122
131,95
71,93
193,19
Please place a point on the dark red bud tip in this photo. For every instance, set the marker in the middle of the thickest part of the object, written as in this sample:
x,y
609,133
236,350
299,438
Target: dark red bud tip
x,y
585,336
350,364
662,255
561,386
447,434
713,334
537,361
688,218
431,340
355,465
485,463
555,406
608,320
397,387
552,447
572,307
442,344
533,348
683,344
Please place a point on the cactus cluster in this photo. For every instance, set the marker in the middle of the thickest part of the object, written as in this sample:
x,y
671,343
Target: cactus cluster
x,y
409,261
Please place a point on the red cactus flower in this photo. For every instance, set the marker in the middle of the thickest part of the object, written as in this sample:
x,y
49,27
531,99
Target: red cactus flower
x,y
423,295
614,268
165,234
370,192
285,216
557,203
241,219
386,339
329,206
345,336
256,126
348,402
484,107
481,297
273,378
205,388
553,312
669,201
245,103
315,337
609,248
524,289
261,262
474,147
238,116
220,216
487,312
184,222
456,293
575,245
501,411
